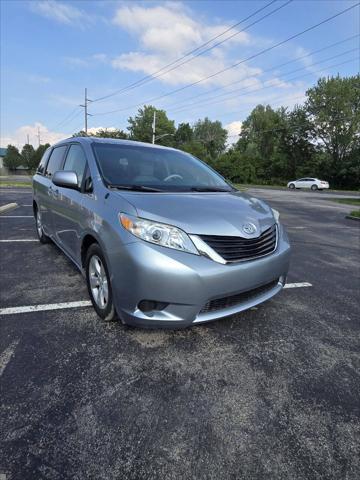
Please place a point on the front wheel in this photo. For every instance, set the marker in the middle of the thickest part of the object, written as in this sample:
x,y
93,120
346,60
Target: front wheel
x,y
291,186
314,187
39,227
98,283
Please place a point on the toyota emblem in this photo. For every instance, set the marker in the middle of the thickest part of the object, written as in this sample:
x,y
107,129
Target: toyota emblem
x,y
249,228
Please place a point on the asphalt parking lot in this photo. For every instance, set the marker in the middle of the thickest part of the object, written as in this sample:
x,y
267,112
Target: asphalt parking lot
x,y
272,393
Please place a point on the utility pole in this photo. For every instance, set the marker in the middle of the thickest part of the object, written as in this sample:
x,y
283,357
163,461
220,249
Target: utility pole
x,y
153,127
85,106
27,137
38,136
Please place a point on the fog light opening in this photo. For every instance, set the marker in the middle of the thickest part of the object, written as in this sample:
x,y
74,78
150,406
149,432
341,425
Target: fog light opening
x,y
147,306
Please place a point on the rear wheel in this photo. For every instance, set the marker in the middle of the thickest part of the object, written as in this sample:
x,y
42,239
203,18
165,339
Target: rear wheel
x,y
39,227
98,283
314,187
291,186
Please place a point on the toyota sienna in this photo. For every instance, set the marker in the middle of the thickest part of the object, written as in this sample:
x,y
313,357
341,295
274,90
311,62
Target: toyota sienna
x,y
161,238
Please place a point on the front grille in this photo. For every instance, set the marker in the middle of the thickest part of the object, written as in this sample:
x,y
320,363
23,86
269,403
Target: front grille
x,y
236,249
226,302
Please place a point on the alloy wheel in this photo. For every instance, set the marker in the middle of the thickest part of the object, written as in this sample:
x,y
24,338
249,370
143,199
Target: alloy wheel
x,y
38,223
98,282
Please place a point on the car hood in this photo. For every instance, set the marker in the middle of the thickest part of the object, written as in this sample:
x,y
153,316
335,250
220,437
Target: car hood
x,y
204,213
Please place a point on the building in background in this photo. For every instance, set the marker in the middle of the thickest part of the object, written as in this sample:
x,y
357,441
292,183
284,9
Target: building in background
x,y
3,170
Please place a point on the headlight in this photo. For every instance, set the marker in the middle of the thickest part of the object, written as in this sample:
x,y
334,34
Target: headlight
x,y
276,215
158,233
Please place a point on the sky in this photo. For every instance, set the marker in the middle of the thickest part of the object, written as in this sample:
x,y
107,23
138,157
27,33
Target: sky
x,y
52,49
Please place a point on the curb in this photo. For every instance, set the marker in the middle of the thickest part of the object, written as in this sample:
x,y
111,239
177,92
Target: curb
x,y
7,207
350,217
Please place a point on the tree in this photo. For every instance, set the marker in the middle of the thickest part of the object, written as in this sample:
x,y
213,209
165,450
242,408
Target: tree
x,y
212,135
39,152
236,167
184,134
197,149
12,159
80,134
140,126
297,145
27,155
104,133
113,133
333,107
261,141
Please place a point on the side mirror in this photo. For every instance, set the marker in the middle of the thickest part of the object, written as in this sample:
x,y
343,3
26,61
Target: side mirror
x,y
66,179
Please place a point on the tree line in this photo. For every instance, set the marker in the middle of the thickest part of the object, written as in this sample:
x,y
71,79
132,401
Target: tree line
x,y
29,157
320,138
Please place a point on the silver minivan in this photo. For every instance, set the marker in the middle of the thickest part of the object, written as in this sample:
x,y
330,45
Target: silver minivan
x,y
162,239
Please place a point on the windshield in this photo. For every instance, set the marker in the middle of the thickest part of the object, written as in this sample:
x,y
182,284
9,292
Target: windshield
x,y
155,169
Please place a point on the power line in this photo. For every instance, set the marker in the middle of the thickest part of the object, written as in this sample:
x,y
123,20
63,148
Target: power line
x,y
234,112
281,97
67,118
206,101
264,71
266,50
156,74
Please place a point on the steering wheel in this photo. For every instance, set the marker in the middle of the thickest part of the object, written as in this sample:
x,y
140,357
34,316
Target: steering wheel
x,y
173,176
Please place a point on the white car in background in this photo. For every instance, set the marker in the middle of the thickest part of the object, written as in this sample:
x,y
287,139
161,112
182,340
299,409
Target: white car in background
x,y
312,183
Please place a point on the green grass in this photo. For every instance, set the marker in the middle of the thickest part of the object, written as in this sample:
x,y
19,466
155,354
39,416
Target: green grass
x,y
355,213
245,186
15,184
346,201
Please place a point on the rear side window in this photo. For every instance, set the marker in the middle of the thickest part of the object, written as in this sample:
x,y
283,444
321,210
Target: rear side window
x,y
76,161
42,164
55,161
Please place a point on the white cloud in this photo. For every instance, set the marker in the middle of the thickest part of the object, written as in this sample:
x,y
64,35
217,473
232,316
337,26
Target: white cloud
x,y
94,130
168,31
203,67
234,129
169,28
60,12
19,136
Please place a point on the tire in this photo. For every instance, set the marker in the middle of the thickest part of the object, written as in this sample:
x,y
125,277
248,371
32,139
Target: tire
x,y
314,187
39,229
98,280
292,186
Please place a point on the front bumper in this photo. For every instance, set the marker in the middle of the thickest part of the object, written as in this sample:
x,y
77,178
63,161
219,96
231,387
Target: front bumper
x,y
187,283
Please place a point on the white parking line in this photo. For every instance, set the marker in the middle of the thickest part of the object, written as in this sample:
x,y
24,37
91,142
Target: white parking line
x,y
39,308
19,240
87,303
298,285
5,357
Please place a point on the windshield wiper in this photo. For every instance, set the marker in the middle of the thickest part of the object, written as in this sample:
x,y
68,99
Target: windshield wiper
x,y
210,189
138,188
